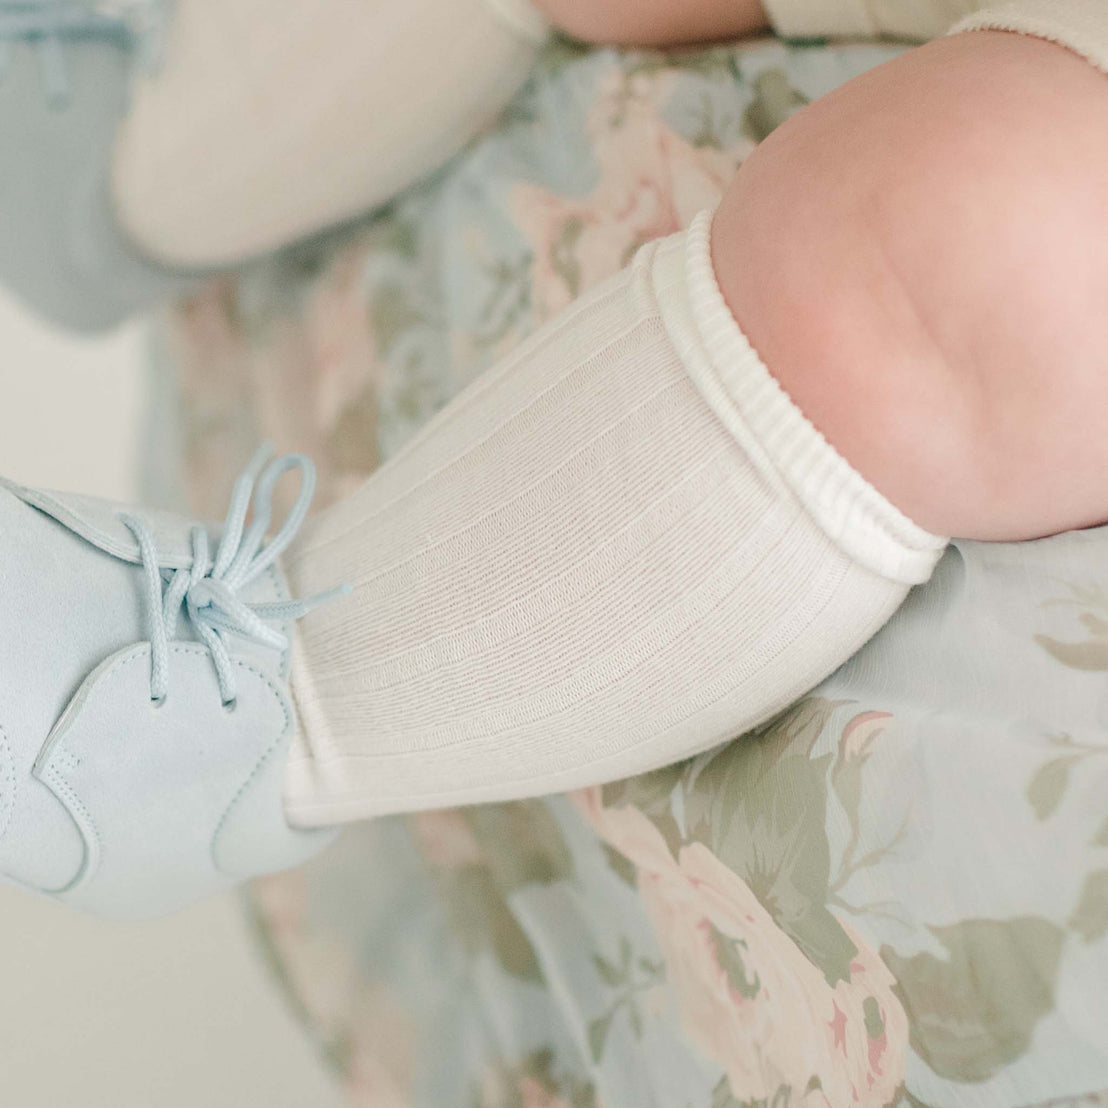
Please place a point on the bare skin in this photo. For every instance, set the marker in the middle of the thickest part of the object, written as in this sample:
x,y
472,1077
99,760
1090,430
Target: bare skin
x,y
654,22
918,258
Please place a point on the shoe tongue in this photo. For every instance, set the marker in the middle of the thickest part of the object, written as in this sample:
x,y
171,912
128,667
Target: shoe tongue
x,y
97,522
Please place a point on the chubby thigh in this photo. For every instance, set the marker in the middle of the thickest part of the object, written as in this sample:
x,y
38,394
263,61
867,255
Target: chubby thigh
x,y
917,257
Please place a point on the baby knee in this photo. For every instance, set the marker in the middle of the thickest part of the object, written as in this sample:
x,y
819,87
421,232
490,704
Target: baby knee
x,y
914,256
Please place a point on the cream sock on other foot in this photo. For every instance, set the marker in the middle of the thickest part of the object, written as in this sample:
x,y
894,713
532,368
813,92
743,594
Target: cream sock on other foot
x,y
267,122
1079,25
912,20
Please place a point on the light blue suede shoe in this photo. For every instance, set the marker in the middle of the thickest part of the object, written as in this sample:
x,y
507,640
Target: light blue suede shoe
x,y
145,716
65,74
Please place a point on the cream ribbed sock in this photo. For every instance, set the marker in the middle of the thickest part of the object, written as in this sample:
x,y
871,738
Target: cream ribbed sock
x,y
267,121
913,20
620,546
1080,25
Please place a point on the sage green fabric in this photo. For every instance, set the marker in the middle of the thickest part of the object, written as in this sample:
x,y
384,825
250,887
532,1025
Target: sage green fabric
x,y
895,893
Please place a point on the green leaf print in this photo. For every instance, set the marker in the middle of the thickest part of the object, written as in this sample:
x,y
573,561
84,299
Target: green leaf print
x,y
401,236
483,920
521,843
856,743
760,806
623,867
1091,654
507,302
518,844
562,258
974,1011
515,1084
774,101
610,974
1047,787
875,1024
721,1095
729,953
651,793
598,1034
1090,920
628,981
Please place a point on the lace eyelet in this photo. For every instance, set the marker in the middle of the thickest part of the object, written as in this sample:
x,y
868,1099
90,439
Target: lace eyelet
x,y
230,705
207,589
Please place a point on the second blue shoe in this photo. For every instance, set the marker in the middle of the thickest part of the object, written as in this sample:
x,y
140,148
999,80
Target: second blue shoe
x,y
65,72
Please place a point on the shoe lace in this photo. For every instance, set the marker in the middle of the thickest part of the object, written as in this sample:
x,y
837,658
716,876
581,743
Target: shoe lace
x,y
208,589
138,25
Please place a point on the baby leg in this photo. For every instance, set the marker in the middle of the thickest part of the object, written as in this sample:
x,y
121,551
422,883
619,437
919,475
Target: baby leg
x,y
934,306
626,542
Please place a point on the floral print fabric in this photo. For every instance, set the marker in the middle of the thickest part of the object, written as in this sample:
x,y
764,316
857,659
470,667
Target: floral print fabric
x,y
895,893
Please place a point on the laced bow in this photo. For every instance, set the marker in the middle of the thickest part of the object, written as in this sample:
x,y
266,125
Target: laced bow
x,y
208,590
139,25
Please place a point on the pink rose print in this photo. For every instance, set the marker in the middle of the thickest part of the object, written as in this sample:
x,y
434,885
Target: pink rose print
x,y
749,999
652,182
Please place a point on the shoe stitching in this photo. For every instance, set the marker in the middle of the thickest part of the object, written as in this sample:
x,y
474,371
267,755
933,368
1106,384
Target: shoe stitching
x,y
91,862
140,652
5,747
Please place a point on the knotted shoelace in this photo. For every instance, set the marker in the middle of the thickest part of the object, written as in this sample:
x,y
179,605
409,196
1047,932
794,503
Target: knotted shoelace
x,y
139,25
208,590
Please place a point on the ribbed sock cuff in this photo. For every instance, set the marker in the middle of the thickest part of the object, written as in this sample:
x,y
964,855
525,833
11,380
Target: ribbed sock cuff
x,y
522,17
1079,25
787,448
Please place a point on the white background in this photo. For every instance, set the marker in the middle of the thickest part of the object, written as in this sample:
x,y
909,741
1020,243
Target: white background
x,y
176,1014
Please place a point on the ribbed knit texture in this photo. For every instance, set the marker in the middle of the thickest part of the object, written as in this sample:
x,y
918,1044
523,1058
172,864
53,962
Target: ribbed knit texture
x,y
1080,25
775,433
579,571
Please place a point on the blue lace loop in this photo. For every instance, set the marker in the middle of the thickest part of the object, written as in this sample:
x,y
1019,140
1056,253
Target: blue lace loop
x,y
208,589
138,25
